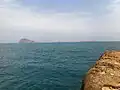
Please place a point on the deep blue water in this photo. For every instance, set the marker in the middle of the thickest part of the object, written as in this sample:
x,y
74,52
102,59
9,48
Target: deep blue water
x,y
50,66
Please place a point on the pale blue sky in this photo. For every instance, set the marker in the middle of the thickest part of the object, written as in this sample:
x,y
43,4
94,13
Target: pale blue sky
x,y
59,20
94,6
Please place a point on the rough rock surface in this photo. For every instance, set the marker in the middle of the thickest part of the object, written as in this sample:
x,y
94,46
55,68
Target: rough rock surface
x,y
105,74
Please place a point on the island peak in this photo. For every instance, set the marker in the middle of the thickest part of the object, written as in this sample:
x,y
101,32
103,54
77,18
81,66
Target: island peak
x,y
24,40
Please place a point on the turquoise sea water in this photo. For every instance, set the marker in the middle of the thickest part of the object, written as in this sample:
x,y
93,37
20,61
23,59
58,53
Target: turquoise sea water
x,y
48,66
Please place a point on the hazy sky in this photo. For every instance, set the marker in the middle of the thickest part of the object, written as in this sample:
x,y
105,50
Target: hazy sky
x,y
59,20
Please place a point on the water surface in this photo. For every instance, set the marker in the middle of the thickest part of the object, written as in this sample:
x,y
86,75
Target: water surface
x,y
48,66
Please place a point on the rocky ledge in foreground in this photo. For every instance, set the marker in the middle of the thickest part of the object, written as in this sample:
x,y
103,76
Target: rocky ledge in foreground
x,y
24,40
105,74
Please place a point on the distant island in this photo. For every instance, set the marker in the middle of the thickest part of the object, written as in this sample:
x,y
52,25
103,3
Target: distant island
x,y
24,40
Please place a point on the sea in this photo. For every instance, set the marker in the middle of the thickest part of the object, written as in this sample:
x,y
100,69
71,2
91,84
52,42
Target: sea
x,y
48,66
